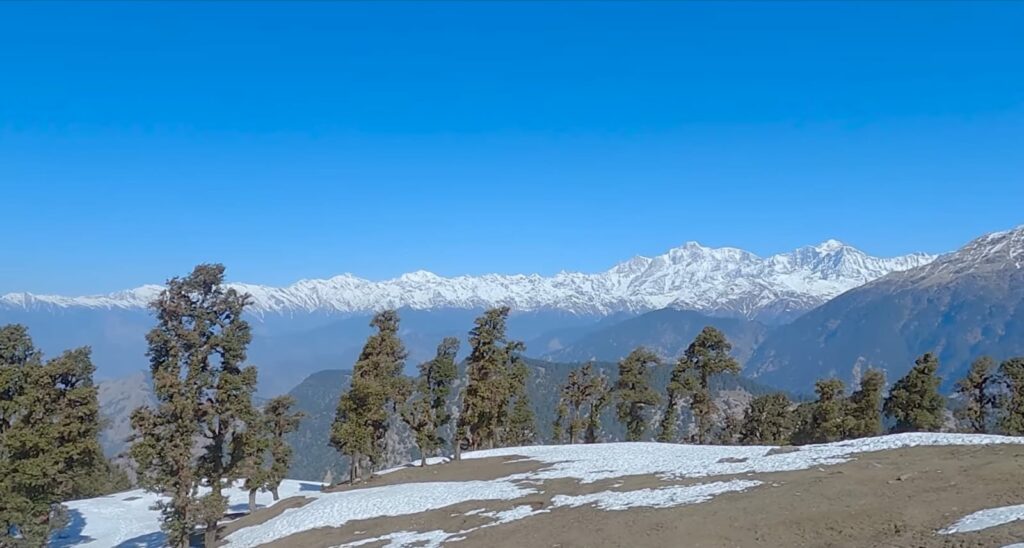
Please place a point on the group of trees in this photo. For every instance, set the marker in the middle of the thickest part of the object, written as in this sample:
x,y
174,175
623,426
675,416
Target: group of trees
x,y
494,410
205,434
49,438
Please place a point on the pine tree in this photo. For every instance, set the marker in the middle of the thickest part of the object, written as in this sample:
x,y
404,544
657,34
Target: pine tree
x,y
707,355
362,419
865,406
557,428
426,412
914,401
204,399
279,420
49,436
495,391
976,395
1012,401
583,398
767,421
634,393
521,425
266,455
18,357
829,416
600,400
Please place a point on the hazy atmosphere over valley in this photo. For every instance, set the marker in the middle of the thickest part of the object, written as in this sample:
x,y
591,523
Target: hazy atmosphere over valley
x,y
511,274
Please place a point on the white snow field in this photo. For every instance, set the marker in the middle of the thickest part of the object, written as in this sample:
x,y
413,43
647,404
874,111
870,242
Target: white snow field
x,y
128,519
125,520
983,519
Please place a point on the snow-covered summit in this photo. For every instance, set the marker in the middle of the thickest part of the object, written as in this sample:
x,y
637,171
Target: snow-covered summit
x,y
722,280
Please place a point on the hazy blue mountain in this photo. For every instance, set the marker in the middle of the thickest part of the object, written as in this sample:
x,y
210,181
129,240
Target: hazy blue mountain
x,y
667,332
962,305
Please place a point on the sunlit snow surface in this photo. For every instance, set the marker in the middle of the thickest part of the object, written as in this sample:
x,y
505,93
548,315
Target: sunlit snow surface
x,y
128,520
109,521
983,519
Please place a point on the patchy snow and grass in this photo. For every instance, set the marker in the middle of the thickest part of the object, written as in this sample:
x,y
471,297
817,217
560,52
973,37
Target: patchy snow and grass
x,y
128,519
663,497
590,463
984,519
337,509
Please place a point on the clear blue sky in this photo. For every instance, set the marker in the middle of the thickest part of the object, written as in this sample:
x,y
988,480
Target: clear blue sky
x,y
306,140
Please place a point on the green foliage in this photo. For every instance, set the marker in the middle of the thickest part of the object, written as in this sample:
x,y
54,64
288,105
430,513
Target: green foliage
x,y
522,425
1012,401
865,406
975,395
583,397
707,355
426,412
914,401
49,436
634,393
378,386
267,456
829,416
496,389
204,397
767,421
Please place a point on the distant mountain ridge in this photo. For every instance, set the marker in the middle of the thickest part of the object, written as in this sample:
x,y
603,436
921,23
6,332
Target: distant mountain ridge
x,y
962,305
718,281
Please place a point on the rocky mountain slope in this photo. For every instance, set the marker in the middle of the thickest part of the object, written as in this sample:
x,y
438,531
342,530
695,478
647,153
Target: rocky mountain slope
x,y
962,305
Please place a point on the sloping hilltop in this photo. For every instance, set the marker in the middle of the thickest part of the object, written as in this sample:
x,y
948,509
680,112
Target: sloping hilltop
x,y
898,490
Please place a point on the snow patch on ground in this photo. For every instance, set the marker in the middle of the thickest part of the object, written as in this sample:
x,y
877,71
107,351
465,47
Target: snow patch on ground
x,y
590,463
437,538
337,509
128,520
984,519
663,497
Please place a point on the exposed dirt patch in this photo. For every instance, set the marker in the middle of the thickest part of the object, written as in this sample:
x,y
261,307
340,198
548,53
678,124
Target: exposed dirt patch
x,y
465,470
893,498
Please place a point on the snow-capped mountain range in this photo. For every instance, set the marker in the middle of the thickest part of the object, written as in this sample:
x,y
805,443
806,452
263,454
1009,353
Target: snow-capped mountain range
x,y
722,281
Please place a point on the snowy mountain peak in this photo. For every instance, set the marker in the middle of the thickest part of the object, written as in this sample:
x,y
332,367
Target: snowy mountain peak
x,y
829,246
996,254
724,281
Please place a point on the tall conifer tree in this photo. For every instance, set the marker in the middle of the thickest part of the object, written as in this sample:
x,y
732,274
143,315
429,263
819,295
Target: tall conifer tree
x,y
707,355
865,406
49,436
204,399
975,391
914,401
496,390
1011,421
426,412
767,421
362,420
634,393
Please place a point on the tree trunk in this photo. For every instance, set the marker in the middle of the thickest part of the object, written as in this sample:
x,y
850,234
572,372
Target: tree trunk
x,y
252,500
458,449
353,468
210,535
273,493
